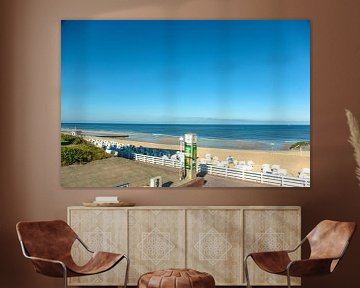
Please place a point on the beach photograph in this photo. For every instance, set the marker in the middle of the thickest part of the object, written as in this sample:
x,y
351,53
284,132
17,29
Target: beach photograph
x,y
185,103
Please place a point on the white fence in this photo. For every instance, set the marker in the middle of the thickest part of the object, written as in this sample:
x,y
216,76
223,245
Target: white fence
x,y
157,160
259,177
265,178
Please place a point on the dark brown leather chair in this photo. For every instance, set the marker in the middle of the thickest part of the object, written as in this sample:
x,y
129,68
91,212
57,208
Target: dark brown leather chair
x,y
328,242
48,245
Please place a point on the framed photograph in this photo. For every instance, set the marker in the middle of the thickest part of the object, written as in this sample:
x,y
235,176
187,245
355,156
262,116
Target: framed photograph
x,y
185,103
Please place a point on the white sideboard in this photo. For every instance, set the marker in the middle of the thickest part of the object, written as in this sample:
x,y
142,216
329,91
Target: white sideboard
x,y
211,239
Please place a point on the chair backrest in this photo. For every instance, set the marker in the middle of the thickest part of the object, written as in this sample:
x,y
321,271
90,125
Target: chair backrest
x,y
329,239
46,239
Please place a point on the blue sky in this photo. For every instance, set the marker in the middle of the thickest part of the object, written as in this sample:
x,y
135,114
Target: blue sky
x,y
229,72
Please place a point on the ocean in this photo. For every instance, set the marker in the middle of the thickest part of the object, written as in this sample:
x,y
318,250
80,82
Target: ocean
x,y
259,137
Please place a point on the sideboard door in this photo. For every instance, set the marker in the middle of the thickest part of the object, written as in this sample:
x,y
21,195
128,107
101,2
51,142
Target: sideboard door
x,y
156,240
270,230
214,244
101,230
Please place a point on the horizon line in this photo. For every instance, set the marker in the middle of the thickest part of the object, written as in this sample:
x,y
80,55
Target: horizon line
x,y
156,123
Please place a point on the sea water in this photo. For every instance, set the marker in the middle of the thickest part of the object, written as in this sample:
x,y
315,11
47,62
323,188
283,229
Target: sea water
x,y
251,137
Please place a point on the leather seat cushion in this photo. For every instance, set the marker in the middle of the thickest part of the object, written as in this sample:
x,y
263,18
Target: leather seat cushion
x,y
176,278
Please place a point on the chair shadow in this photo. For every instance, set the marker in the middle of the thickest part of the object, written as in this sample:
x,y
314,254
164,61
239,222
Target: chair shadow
x,y
167,184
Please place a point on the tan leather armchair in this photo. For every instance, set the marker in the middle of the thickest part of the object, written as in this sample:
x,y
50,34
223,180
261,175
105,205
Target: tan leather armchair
x,y
328,242
48,245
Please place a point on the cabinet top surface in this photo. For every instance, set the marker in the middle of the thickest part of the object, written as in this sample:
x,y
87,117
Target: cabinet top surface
x,y
192,207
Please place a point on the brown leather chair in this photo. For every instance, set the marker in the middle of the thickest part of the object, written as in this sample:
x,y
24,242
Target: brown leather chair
x,y
328,242
48,245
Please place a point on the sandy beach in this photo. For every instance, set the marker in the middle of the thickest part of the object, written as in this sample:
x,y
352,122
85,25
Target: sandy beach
x,y
293,161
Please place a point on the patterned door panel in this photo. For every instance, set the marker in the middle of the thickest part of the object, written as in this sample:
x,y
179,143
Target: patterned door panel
x,y
100,230
270,230
214,242
156,240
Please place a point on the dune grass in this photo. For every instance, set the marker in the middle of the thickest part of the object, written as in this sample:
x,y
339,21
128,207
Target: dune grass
x,y
75,150
299,144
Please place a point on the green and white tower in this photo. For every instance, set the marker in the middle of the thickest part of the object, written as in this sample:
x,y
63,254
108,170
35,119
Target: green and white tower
x,y
190,155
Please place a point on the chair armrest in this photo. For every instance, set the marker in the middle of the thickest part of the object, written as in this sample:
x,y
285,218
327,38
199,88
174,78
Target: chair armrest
x,y
49,267
268,253
281,251
46,260
309,267
271,261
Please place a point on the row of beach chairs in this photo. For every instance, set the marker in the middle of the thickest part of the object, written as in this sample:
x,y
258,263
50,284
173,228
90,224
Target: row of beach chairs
x,y
117,149
273,169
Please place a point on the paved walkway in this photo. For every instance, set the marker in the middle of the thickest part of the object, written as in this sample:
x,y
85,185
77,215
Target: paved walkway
x,y
116,170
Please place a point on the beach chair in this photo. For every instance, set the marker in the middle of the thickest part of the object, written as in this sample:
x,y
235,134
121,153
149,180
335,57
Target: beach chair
x,y
265,168
223,164
282,172
230,160
202,161
250,163
304,173
243,167
275,168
